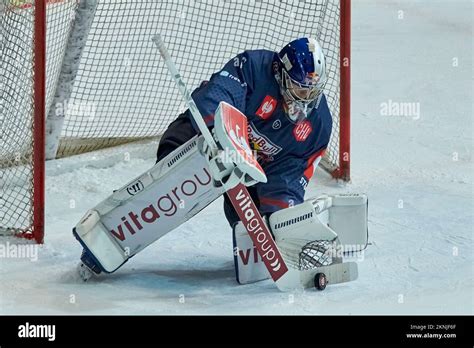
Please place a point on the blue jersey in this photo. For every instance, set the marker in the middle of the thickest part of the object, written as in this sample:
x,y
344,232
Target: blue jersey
x,y
286,150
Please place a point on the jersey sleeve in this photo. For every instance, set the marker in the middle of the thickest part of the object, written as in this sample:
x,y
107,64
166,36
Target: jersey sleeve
x,y
287,182
229,85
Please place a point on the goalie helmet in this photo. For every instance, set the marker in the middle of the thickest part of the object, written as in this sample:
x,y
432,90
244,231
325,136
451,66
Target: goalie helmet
x,y
301,76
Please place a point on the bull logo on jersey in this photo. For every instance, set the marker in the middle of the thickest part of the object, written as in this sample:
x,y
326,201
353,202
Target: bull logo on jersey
x,y
265,148
267,108
302,130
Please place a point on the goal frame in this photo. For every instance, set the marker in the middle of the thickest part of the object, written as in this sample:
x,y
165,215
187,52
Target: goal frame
x,y
36,232
343,172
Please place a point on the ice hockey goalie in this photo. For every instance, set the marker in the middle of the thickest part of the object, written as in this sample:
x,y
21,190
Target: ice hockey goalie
x,y
288,126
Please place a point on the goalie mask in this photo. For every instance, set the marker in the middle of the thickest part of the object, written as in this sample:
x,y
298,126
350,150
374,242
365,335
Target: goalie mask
x,y
301,74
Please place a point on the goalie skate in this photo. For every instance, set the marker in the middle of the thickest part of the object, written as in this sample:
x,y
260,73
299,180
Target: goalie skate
x,y
84,272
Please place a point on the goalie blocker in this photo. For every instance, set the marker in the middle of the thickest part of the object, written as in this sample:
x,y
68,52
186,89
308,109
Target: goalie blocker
x,y
317,233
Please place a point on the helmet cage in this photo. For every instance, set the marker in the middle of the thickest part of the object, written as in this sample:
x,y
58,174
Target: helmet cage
x,y
305,92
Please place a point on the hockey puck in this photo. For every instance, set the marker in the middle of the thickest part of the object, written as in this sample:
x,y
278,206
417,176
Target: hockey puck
x,y
320,281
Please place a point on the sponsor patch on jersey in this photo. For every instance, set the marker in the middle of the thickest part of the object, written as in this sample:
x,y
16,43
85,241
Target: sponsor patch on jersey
x,y
264,147
267,108
227,74
302,130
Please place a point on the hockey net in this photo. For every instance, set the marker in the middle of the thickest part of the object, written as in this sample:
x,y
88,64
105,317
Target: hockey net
x,y
106,85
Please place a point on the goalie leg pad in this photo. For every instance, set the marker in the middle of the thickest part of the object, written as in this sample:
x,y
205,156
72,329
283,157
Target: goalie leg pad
x,y
147,208
249,267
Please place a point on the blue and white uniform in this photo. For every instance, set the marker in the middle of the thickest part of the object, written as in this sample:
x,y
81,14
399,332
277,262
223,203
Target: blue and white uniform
x,y
286,150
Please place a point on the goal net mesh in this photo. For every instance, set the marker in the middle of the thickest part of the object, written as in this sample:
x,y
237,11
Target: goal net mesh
x,y
16,117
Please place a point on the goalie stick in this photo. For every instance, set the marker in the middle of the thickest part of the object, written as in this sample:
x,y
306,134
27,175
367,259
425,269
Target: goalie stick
x,y
238,195
286,279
